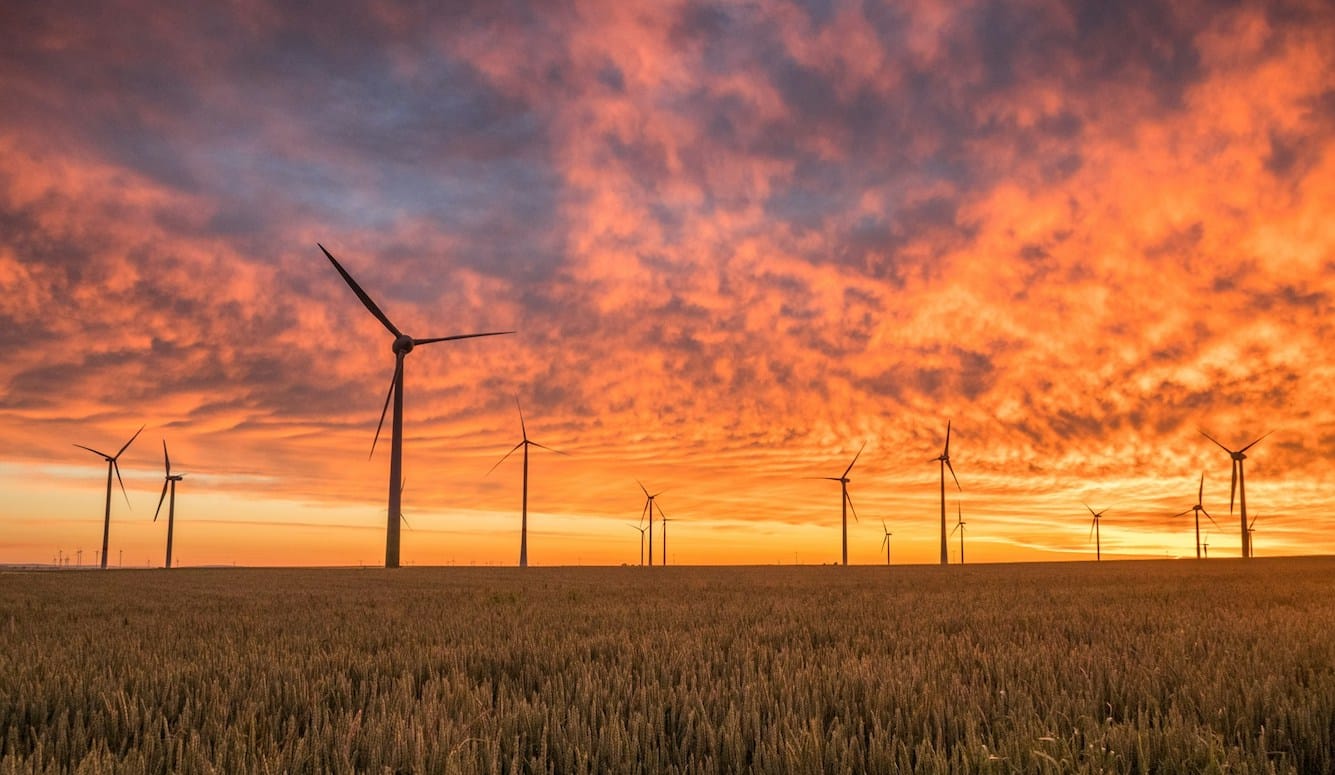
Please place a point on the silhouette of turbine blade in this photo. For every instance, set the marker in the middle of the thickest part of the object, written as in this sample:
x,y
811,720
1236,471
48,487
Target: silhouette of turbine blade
x,y
394,380
166,461
1091,528
1200,494
161,498
1086,505
1233,490
116,467
946,452
141,430
1216,441
459,336
523,429
643,489
1254,443
504,457
361,294
849,498
855,458
952,475
549,449
1207,516
95,452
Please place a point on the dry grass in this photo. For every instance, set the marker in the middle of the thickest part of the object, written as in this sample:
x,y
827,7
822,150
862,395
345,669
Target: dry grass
x,y
1125,667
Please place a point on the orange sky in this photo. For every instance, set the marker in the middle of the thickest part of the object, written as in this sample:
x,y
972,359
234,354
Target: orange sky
x,y
736,241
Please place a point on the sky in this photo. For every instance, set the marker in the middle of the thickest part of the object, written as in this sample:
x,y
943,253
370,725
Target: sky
x,y
736,241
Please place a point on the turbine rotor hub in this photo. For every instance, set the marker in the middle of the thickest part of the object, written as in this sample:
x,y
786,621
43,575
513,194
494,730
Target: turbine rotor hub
x,y
403,344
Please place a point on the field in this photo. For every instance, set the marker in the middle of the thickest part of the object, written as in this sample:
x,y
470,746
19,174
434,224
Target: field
x,y
1173,666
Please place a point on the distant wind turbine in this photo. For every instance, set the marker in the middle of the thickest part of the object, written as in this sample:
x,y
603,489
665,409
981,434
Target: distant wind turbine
x,y
663,518
959,526
169,481
112,466
1094,532
944,459
1198,510
885,542
1206,545
1251,528
649,506
525,442
845,501
1239,486
403,344
640,527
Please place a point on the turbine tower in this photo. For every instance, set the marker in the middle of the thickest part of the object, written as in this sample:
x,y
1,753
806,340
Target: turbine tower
x,y
959,526
663,519
846,502
169,481
112,466
944,459
1094,532
403,344
1198,509
885,542
526,442
1239,487
649,506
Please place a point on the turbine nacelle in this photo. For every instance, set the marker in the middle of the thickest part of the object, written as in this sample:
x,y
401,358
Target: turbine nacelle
x,y
403,344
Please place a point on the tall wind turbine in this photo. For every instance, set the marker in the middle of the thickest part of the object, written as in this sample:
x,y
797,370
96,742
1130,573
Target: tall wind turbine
x,y
112,466
944,459
1198,509
640,527
959,526
1094,532
846,502
169,481
1239,486
649,506
403,344
885,542
525,442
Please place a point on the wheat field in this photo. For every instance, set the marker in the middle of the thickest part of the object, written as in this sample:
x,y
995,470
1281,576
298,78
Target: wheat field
x,y
1166,667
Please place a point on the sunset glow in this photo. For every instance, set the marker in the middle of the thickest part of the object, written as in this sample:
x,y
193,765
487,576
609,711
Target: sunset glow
x,y
736,242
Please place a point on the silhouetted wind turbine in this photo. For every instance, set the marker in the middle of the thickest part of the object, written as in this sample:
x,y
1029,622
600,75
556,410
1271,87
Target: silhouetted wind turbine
x,y
112,466
1206,545
1239,486
663,518
885,542
1094,532
525,442
171,481
640,527
1251,528
403,344
846,503
649,506
944,459
1198,509
959,525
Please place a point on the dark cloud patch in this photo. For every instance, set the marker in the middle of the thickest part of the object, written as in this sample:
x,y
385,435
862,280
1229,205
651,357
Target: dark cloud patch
x,y
1115,40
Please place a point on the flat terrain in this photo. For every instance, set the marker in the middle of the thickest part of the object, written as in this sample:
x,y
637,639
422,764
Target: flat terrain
x,y
1165,666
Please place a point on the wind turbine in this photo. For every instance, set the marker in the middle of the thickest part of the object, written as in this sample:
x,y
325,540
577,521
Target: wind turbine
x,y
845,502
1251,528
1094,532
664,519
112,465
1198,509
1239,486
885,542
959,526
169,481
1206,545
649,506
403,344
640,527
944,459
525,443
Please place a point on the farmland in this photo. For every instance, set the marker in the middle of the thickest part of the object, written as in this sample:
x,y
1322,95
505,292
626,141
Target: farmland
x,y
1173,666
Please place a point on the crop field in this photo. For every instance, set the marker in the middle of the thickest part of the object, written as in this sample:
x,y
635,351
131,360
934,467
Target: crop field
x,y
1173,666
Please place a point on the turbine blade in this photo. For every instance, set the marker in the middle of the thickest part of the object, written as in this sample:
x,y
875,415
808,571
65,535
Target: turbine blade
x,y
392,382
523,429
1253,524
136,435
1184,513
503,458
116,467
95,452
166,461
1207,516
1200,494
549,449
946,453
883,540
1233,490
855,458
849,498
660,511
1086,505
1216,441
1091,529
952,476
459,336
642,488
161,497
361,294
1254,443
